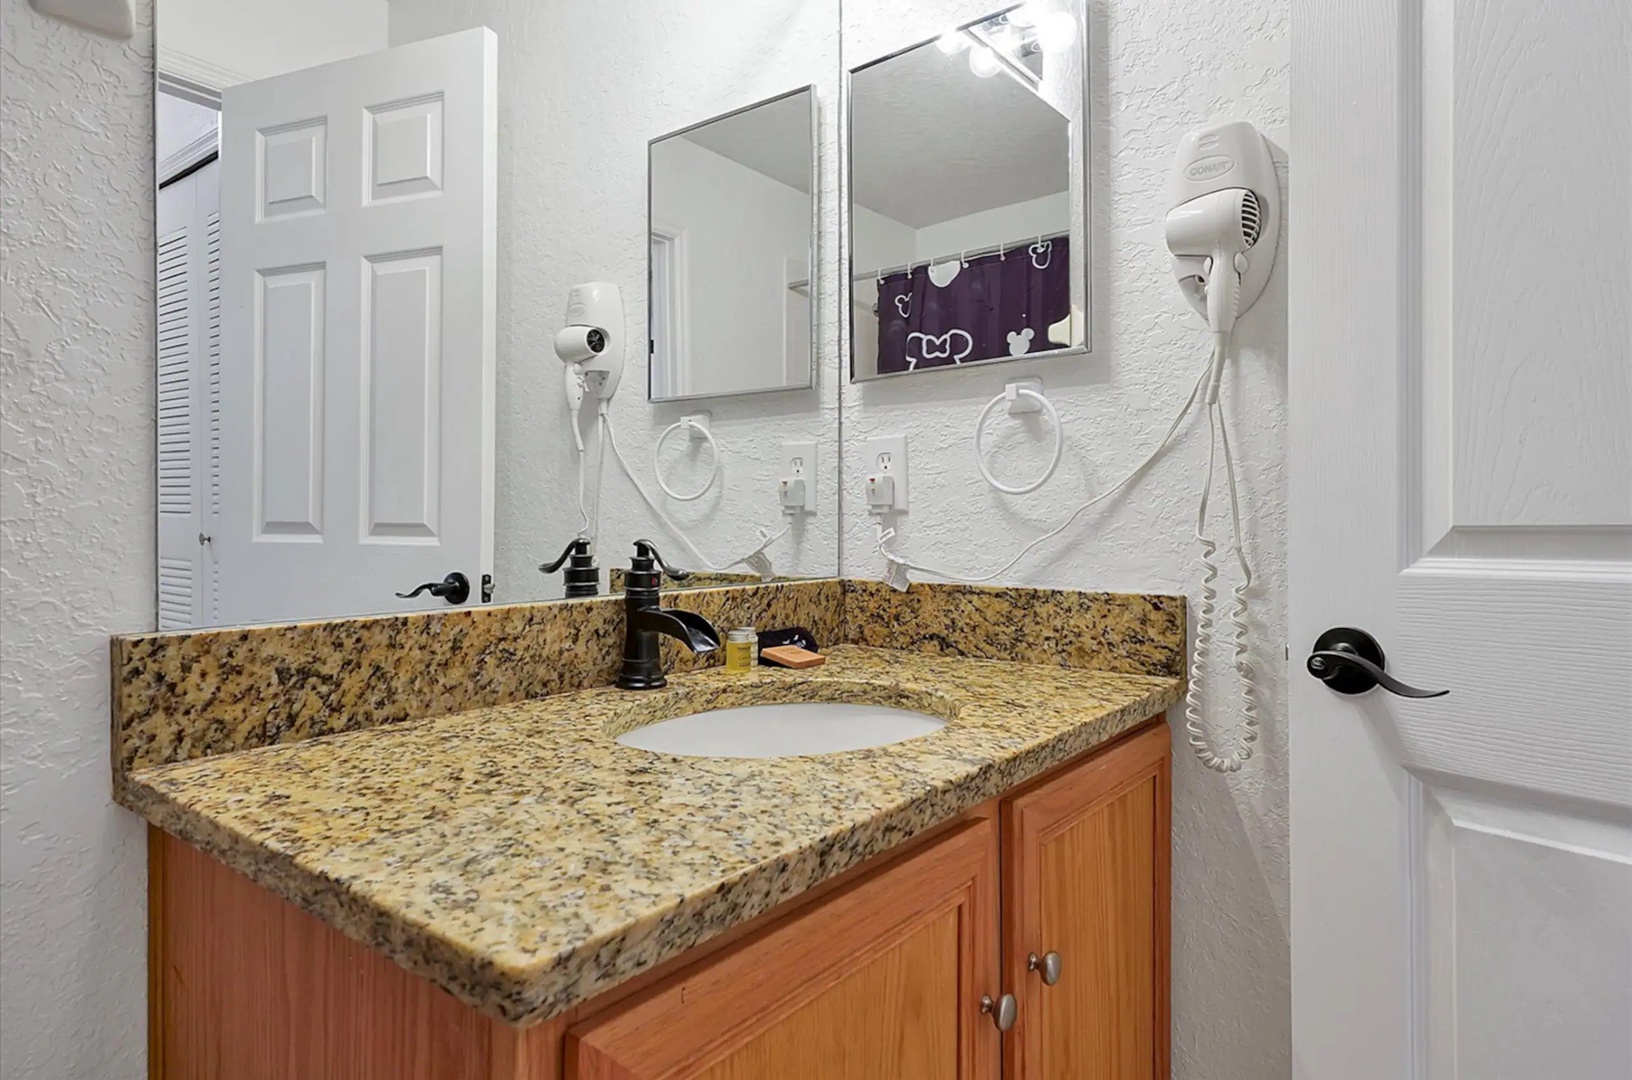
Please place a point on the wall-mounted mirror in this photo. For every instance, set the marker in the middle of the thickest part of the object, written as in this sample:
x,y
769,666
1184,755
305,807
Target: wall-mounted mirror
x,y
968,195
733,232
370,216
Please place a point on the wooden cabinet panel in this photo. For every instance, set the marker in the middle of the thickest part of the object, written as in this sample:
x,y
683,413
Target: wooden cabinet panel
x,y
895,1017
244,986
1086,874
879,982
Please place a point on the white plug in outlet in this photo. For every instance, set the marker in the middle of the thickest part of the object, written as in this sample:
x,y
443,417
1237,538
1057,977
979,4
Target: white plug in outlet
x,y
796,479
885,466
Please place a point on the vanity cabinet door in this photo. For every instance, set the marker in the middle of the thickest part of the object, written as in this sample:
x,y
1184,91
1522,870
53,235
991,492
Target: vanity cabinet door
x,y
1086,877
881,981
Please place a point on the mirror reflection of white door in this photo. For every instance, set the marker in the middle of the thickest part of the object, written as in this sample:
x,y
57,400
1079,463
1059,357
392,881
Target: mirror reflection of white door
x,y
358,270
1461,488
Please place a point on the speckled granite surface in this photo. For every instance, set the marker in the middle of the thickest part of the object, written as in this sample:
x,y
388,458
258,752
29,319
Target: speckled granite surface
x,y
698,579
187,695
1129,632
521,859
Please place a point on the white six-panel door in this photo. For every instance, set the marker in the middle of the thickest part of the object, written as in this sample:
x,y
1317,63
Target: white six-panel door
x,y
1461,450
358,225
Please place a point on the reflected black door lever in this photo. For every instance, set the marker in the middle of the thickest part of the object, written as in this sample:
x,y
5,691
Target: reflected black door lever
x,y
455,589
1351,662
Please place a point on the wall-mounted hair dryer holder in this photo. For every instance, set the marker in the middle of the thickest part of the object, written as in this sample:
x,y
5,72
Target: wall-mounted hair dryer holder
x,y
1210,160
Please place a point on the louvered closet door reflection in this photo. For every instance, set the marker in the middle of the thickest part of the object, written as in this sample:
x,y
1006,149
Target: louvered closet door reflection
x,y
189,370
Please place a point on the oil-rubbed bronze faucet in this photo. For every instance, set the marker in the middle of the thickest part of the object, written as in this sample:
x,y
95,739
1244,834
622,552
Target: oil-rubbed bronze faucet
x,y
644,621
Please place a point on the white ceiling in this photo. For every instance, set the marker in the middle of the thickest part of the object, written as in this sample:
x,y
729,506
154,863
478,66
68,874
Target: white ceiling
x,y
931,141
773,139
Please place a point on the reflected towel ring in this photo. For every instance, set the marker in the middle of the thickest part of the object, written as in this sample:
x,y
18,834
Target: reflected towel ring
x,y
657,467
1012,394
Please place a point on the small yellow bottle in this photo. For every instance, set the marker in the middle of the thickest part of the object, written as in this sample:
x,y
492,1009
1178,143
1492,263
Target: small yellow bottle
x,y
741,649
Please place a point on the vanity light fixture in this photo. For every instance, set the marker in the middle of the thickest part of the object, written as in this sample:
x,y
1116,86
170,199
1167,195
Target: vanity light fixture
x,y
952,42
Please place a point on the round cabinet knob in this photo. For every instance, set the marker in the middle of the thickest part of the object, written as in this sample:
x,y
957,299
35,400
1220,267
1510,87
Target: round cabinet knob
x,y
1049,964
1003,1011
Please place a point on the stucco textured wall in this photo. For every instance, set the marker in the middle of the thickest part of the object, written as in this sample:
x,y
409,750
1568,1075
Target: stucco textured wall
x,y
76,535
1159,68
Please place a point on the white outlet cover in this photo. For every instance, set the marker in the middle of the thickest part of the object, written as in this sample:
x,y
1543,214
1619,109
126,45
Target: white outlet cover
x,y
799,459
894,447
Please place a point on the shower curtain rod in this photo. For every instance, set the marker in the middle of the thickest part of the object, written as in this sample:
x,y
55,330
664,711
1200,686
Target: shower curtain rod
x,y
972,253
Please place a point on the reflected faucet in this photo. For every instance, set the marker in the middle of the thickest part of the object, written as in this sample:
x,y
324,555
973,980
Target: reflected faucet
x,y
644,621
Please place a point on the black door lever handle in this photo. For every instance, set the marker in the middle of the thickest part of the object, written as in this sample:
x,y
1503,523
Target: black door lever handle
x,y
1351,662
455,589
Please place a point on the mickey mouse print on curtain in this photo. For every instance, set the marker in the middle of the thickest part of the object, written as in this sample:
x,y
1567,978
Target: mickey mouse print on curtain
x,y
983,308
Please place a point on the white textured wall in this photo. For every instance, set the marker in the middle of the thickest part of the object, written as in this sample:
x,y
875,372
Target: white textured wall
x,y
1160,67
580,94
76,536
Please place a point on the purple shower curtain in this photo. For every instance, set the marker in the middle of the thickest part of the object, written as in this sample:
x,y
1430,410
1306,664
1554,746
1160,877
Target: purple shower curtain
x,y
993,305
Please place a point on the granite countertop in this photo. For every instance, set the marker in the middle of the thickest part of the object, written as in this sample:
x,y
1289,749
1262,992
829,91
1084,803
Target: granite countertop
x,y
521,859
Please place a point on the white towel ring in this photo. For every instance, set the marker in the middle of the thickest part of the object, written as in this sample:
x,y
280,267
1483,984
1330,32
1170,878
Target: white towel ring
x,y
1011,394
657,467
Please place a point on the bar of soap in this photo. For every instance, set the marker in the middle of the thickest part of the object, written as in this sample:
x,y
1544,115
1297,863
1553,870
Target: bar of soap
x,y
792,656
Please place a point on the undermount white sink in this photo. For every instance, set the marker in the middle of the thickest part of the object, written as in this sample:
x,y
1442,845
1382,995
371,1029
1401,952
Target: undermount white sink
x,y
783,730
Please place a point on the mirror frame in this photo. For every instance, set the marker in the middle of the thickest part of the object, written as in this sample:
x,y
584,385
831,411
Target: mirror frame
x,y
812,287
1081,208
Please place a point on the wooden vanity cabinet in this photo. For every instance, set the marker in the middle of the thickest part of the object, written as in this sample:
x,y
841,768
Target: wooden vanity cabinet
x,y
1086,877
878,974
881,981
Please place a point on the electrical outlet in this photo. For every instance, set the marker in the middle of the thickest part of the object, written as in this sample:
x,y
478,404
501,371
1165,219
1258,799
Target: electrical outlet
x,y
798,464
886,456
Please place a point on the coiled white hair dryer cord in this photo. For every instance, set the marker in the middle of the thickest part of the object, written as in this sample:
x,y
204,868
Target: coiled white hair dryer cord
x,y
756,560
1200,742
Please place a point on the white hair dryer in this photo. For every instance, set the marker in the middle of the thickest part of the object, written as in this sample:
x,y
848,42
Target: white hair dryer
x,y
1223,221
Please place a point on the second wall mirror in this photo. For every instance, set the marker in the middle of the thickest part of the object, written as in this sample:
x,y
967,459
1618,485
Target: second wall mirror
x,y
733,226
968,195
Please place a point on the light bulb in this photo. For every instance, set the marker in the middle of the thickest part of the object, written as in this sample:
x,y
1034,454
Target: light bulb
x,y
952,42
1057,32
983,62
